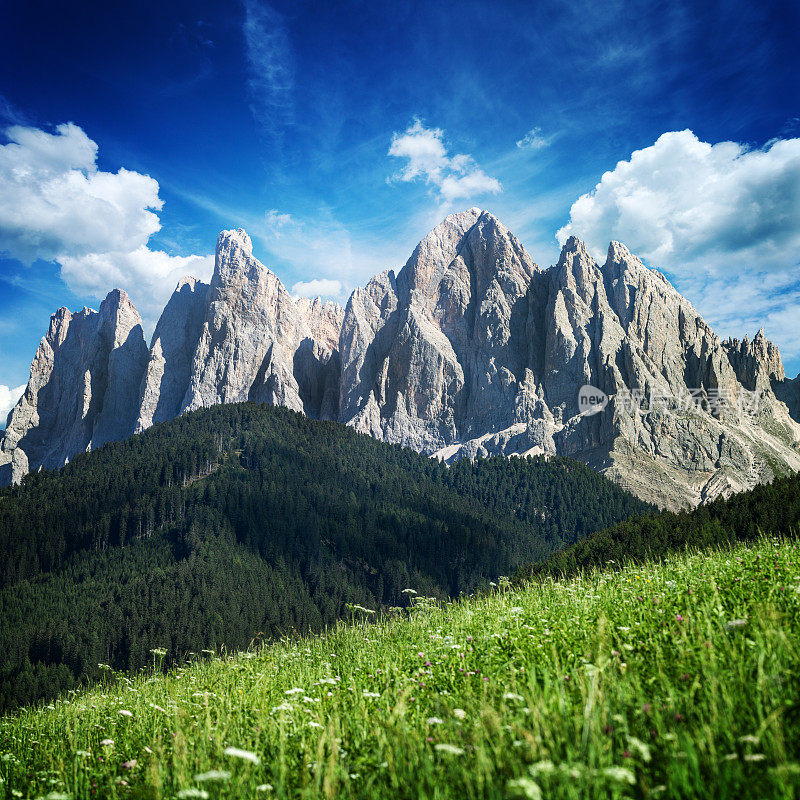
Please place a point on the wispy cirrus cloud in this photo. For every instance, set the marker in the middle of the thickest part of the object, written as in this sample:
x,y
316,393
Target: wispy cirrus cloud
x,y
454,178
270,64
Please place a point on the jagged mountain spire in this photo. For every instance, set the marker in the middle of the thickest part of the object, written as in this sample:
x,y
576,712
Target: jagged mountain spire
x,y
471,349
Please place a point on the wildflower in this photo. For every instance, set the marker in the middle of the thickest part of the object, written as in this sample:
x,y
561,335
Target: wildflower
x,y
129,764
313,724
123,712
158,708
735,623
107,743
434,721
245,755
296,690
512,696
679,618
749,739
459,713
542,768
264,787
370,694
450,748
524,787
755,757
194,794
213,775
639,747
620,774
282,707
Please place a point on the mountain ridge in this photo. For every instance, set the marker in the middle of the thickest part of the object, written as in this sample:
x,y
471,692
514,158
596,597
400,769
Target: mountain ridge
x,y
471,349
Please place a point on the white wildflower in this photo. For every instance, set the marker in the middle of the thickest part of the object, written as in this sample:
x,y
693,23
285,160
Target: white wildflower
x,y
450,748
213,775
264,787
194,794
434,721
459,713
296,690
638,746
512,696
524,787
620,774
107,743
370,694
123,712
245,755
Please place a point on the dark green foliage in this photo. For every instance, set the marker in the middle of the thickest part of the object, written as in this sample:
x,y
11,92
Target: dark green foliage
x,y
247,520
773,508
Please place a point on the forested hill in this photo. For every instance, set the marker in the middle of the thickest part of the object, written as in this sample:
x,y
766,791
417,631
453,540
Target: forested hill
x,y
249,520
766,509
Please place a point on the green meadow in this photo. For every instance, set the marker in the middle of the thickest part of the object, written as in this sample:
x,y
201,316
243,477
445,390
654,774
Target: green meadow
x,y
672,680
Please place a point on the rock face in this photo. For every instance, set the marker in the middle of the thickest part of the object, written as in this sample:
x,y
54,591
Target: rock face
x,y
83,390
470,350
256,344
166,378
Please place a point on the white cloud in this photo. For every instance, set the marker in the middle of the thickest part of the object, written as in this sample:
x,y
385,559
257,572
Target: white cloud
x,y
318,287
56,205
276,220
534,139
722,219
8,399
456,178
683,204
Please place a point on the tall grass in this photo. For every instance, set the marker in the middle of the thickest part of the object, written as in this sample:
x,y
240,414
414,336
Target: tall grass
x,y
674,680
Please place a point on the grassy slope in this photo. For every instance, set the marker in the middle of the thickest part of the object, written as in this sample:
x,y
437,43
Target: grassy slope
x,y
631,684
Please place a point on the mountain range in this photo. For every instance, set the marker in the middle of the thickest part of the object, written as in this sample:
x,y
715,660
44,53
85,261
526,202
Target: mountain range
x,y
469,350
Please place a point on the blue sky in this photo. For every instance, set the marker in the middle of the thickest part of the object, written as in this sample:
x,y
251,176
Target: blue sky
x,y
338,134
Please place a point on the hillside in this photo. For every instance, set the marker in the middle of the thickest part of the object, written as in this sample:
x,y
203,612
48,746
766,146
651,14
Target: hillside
x,y
743,517
672,680
248,521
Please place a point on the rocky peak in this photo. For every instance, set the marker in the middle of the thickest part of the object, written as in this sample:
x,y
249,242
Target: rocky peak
x,y
83,388
324,319
757,363
433,254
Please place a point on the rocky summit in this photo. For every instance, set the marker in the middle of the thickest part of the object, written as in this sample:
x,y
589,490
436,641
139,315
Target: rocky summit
x,y
469,350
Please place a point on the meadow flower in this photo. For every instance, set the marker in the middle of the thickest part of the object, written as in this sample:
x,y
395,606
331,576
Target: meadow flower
x,y
459,713
192,794
129,764
524,787
735,623
123,712
370,694
296,690
620,774
245,755
754,757
107,743
313,724
434,721
450,749
512,696
213,775
264,787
